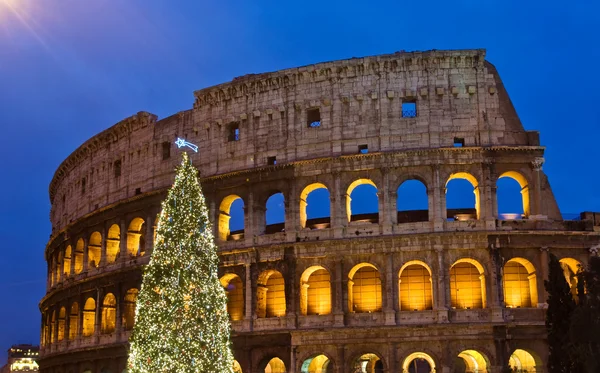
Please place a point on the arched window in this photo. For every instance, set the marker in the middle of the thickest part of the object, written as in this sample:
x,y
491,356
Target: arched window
x,y
62,315
473,361
237,368
275,365
270,297
74,321
462,197
89,317
418,362
362,203
109,314
412,202
520,284
513,196
317,364
58,268
235,296
275,214
94,250
67,262
467,285
571,268
113,244
129,308
523,361
368,363
231,218
136,237
79,256
364,289
315,207
315,291
415,287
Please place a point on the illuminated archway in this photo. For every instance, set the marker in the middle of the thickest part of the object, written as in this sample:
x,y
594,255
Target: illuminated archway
x,y
237,368
412,202
524,211
317,364
79,256
315,291
94,250
235,295
74,321
52,327
315,206
571,268
369,201
67,261
275,365
113,243
520,284
62,316
455,189
275,213
368,363
109,314
523,361
415,287
418,362
467,285
136,237
364,289
225,214
129,304
270,294
475,362
89,317
58,266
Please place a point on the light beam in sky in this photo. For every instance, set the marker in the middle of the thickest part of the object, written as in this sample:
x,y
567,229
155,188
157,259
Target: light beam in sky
x,y
21,10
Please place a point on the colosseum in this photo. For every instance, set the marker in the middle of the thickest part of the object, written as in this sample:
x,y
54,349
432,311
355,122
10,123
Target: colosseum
x,y
393,289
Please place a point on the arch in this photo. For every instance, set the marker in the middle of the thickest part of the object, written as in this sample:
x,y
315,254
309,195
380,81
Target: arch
x,y
418,362
275,365
457,210
467,284
67,261
94,249
136,237
225,214
520,284
275,213
237,368
366,212
412,201
62,316
58,268
235,295
74,321
79,256
113,244
571,268
524,361
317,364
129,304
364,289
475,361
505,191
270,294
315,207
89,317
47,328
109,314
415,287
368,363
52,334
315,291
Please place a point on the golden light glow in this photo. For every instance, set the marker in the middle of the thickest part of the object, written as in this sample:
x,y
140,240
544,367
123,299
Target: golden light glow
x,y
67,261
317,364
270,297
236,367
89,316
94,250
224,216
276,365
520,284
349,193
415,287
129,308
367,363
62,314
522,361
315,291
136,237
410,359
471,179
467,285
475,362
79,256
109,314
74,321
570,268
113,243
364,289
303,200
235,295
524,189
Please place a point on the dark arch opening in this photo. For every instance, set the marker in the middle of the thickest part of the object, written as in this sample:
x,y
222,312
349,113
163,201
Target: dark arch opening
x,y
460,200
236,223
510,199
318,209
275,215
364,204
412,202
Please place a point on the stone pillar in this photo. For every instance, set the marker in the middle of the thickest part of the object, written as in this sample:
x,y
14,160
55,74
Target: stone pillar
x,y
119,312
339,219
86,249
123,242
248,292
304,298
544,271
439,201
67,325
388,307
80,317
443,287
537,210
72,266
103,244
292,212
260,220
338,294
292,367
149,244
340,366
98,318
250,228
384,201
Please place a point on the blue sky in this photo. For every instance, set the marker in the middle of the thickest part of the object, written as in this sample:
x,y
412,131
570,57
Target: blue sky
x,y
71,68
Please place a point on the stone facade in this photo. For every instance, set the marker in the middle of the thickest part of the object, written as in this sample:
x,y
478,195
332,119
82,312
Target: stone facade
x,y
334,126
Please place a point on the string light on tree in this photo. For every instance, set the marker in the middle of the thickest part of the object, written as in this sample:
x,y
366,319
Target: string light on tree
x,y
181,323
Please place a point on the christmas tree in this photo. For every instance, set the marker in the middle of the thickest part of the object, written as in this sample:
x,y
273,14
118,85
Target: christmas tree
x,y
181,321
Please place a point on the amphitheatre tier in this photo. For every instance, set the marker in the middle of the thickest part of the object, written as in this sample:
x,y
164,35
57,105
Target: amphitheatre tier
x,y
443,287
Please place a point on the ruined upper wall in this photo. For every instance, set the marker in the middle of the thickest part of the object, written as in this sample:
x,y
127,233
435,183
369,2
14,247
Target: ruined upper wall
x,y
457,94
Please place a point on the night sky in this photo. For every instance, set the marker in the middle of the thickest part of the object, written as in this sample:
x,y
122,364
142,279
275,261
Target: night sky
x,y
72,68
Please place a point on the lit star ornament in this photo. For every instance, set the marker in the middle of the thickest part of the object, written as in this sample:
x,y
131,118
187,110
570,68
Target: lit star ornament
x,y
181,143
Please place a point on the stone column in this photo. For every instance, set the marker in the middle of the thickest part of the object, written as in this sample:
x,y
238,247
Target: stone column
x,y
98,318
292,212
439,201
149,244
72,266
103,244
123,242
337,294
388,307
443,287
304,298
338,218
119,312
250,228
86,249
259,219
536,210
